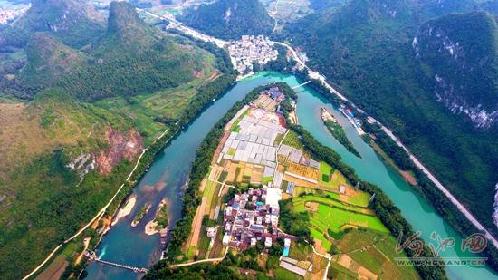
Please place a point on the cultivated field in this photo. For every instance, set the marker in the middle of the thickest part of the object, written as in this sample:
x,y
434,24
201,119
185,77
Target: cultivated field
x,y
330,216
375,252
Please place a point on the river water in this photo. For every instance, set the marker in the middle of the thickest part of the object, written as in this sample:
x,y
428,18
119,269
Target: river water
x,y
167,177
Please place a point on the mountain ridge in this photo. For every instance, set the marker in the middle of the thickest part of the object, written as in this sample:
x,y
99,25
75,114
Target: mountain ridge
x,y
230,19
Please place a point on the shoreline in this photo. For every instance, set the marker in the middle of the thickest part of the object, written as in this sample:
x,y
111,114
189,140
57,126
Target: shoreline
x,y
405,174
177,130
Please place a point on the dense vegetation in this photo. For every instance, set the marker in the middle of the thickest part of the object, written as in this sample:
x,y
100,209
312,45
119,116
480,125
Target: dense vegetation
x,y
297,224
44,202
230,19
75,23
201,271
466,68
366,48
129,58
338,132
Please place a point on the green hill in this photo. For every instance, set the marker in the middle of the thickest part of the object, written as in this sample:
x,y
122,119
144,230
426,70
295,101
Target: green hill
x,y
366,49
128,58
48,60
73,22
230,19
132,58
461,52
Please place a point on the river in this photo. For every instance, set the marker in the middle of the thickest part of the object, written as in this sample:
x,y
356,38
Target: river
x,y
167,177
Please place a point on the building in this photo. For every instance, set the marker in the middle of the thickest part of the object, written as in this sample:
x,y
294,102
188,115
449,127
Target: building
x,y
287,244
268,241
291,265
211,232
273,195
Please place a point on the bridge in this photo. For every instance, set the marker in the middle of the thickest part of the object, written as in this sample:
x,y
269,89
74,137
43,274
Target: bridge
x,y
135,269
298,86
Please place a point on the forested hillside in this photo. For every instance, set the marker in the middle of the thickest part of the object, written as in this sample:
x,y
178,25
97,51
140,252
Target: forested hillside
x,y
461,51
131,58
74,22
366,49
230,19
127,59
68,146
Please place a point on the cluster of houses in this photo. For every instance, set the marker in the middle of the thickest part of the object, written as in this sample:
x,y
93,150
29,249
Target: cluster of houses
x,y
11,12
253,216
250,50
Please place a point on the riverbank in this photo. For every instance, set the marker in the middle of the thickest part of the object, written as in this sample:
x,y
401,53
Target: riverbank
x,y
201,166
129,246
202,101
407,175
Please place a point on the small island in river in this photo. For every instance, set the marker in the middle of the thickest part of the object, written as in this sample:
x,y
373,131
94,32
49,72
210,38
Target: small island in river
x,y
140,215
337,131
160,222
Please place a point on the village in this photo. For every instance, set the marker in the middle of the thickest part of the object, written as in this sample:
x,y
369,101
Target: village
x,y
250,50
10,12
260,163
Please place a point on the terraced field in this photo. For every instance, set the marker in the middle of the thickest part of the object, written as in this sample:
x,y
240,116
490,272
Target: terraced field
x,y
330,216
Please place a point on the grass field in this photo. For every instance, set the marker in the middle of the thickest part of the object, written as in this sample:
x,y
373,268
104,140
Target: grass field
x,y
284,274
292,139
335,178
210,193
360,199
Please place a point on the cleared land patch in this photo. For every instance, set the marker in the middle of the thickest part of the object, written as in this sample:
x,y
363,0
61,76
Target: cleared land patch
x,y
375,252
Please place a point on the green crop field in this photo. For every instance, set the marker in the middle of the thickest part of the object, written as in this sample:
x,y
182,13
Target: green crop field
x,y
325,168
292,139
361,199
333,216
331,179
210,193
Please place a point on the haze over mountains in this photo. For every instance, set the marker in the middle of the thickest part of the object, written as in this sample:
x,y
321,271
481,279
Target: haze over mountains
x,y
73,22
55,58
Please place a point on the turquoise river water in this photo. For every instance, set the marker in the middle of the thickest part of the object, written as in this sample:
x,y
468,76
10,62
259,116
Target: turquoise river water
x,y
167,177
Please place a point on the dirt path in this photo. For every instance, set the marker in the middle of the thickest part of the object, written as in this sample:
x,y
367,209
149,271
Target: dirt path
x,y
197,223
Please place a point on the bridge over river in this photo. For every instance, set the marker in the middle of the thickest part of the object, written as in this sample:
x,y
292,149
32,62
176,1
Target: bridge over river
x,y
93,257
